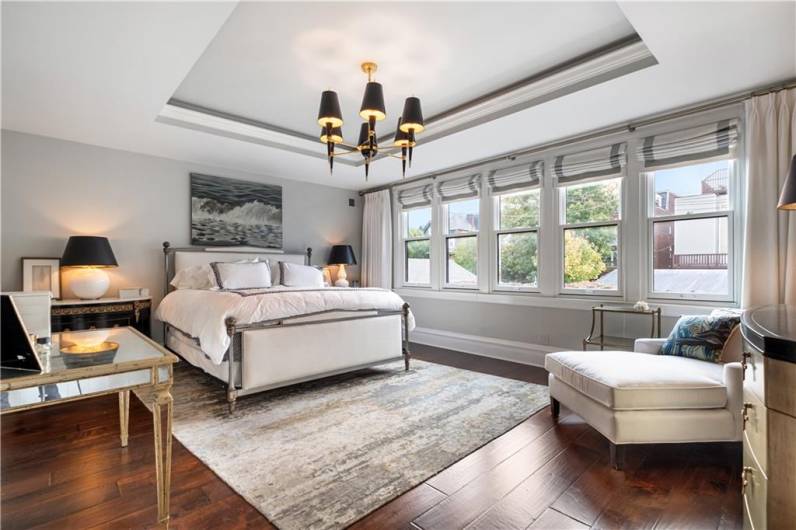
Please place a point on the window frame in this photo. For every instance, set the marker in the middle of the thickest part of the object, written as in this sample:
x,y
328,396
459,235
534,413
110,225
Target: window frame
x,y
445,236
563,226
403,242
634,253
495,285
647,177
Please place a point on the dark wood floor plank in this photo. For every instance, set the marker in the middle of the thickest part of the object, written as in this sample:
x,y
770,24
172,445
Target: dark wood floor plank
x,y
645,494
553,520
464,506
586,498
399,513
470,467
527,501
708,477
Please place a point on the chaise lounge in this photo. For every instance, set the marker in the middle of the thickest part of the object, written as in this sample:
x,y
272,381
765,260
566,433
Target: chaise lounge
x,y
641,397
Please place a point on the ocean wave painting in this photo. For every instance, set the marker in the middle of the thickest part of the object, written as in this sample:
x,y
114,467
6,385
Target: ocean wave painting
x,y
230,212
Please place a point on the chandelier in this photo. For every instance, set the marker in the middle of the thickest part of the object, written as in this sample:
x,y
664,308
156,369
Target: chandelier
x,y
330,118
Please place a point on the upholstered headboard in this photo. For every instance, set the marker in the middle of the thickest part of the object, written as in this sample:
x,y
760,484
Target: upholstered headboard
x,y
176,259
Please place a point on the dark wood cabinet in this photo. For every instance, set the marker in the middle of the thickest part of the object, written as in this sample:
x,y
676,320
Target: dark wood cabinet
x,y
74,315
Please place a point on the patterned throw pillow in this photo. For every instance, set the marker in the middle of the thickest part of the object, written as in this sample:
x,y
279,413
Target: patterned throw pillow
x,y
700,336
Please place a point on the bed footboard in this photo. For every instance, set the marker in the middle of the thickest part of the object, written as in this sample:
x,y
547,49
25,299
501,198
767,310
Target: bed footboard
x,y
284,353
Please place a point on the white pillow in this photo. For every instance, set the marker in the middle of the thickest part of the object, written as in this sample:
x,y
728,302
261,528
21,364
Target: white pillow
x,y
295,275
196,277
252,275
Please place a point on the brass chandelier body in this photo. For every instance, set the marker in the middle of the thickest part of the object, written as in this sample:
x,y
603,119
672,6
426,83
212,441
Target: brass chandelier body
x,y
330,118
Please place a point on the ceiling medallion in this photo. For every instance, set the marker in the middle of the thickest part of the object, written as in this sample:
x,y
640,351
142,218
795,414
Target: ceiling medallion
x,y
330,118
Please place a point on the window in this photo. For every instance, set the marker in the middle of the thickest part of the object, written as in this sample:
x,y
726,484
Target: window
x,y
461,243
417,245
690,230
517,232
591,214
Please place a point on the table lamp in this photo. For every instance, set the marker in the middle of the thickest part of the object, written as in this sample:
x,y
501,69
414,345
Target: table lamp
x,y
787,199
342,255
89,256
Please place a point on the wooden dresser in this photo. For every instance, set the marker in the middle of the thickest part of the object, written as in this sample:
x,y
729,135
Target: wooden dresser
x,y
769,441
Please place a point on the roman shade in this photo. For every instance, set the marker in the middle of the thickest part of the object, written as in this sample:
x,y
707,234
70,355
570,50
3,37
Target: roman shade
x,y
459,188
517,177
416,196
594,164
698,143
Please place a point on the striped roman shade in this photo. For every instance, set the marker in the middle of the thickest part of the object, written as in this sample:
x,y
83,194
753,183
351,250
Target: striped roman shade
x,y
698,143
594,164
459,188
416,196
517,177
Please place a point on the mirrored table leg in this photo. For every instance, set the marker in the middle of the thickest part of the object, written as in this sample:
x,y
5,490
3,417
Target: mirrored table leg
x,y
160,400
124,415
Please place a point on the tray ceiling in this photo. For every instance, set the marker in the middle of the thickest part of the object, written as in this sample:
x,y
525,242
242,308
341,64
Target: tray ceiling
x,y
270,61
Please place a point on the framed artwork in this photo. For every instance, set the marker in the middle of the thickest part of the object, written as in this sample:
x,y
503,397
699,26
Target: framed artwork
x,y
42,274
229,212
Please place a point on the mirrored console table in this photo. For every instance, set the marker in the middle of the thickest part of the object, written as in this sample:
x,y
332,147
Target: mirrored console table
x,y
86,364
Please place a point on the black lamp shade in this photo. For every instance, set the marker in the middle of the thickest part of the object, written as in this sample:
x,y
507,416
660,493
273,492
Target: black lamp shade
x,y
373,102
88,251
412,117
787,199
342,255
336,136
363,144
401,137
329,111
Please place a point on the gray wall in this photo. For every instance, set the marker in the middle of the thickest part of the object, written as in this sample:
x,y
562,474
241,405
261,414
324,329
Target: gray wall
x,y
52,189
548,326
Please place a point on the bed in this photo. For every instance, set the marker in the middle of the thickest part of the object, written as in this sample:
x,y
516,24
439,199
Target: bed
x,y
259,339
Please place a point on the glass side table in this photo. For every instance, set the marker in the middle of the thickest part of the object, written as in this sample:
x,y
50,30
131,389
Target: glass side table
x,y
86,364
623,343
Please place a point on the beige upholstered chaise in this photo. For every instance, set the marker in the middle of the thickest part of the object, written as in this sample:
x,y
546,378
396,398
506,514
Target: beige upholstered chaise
x,y
641,397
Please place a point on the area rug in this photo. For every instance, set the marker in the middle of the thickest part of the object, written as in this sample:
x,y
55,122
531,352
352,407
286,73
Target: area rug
x,y
323,454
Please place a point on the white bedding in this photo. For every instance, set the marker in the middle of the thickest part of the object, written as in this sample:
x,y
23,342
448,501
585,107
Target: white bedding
x,y
202,313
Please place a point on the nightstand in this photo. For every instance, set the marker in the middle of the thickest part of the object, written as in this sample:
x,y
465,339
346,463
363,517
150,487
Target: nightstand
x,y
73,315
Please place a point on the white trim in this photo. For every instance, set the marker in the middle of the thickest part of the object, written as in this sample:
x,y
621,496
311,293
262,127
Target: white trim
x,y
507,350
245,132
557,302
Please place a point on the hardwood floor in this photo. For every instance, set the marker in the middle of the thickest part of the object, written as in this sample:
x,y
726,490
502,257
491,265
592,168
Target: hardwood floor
x,y
62,467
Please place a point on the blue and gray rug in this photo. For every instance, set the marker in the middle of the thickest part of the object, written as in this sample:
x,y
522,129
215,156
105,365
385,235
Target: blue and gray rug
x,y
323,454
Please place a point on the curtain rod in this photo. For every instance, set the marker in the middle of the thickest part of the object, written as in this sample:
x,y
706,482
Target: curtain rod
x,y
629,126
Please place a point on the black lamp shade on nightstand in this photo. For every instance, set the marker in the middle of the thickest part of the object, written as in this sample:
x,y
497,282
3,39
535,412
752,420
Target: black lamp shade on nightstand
x,y
88,251
342,255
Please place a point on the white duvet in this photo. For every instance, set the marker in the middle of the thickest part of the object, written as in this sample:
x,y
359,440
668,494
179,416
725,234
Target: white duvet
x,y
201,314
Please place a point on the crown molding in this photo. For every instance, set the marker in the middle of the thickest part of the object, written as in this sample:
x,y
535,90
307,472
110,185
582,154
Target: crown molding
x,y
198,118
598,66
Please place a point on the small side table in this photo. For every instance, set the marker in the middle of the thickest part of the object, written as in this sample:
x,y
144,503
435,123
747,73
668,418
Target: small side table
x,y
623,343
131,362
74,315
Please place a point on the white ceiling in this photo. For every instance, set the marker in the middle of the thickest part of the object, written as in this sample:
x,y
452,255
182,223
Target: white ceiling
x,y
100,73
275,72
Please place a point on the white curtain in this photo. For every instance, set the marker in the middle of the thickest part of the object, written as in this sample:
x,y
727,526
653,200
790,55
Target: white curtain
x,y
376,268
769,275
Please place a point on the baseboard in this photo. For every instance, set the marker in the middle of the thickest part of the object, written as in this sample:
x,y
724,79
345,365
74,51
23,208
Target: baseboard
x,y
507,350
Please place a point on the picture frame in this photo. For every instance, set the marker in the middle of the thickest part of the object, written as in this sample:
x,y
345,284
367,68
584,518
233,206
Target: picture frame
x,y
42,274
229,212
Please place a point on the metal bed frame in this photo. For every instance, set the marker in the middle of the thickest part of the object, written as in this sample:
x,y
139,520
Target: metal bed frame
x,y
234,330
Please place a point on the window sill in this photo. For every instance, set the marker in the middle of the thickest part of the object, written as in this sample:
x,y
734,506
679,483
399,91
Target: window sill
x,y
668,308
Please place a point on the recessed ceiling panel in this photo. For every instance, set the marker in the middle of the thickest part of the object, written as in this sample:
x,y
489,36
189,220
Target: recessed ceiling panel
x,y
270,61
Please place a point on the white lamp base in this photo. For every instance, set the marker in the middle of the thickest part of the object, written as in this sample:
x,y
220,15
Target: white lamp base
x,y
342,280
89,283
